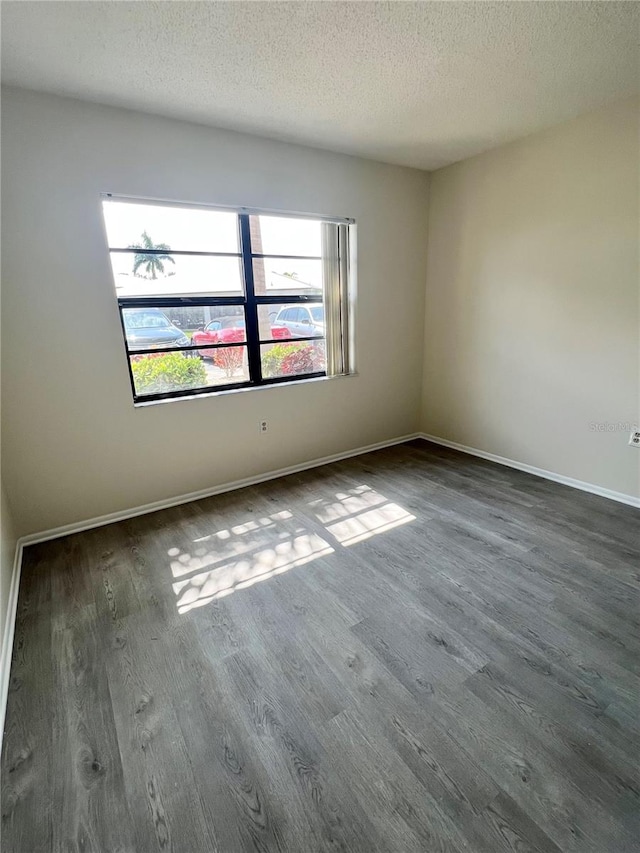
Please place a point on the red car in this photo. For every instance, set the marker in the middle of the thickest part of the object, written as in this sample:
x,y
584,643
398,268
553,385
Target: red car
x,y
229,330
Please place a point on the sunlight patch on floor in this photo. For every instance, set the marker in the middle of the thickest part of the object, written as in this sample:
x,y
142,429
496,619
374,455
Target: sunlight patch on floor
x,y
359,514
206,586
225,544
370,523
346,503
238,556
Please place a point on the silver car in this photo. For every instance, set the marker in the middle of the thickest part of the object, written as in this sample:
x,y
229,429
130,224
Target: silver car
x,y
302,321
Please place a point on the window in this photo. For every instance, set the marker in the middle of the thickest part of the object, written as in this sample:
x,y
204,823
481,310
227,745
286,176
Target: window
x,y
214,299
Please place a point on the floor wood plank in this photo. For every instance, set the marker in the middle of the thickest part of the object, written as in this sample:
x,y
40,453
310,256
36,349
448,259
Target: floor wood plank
x,y
411,650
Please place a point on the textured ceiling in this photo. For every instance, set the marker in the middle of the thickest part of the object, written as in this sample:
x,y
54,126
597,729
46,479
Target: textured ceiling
x,y
422,84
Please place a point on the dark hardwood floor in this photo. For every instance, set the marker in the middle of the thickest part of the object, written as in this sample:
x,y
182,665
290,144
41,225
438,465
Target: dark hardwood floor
x,y
413,650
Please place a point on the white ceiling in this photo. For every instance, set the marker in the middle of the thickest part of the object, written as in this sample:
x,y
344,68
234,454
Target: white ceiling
x,y
421,84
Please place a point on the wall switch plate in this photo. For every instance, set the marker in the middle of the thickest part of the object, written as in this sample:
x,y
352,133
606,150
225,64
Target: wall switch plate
x,y
634,439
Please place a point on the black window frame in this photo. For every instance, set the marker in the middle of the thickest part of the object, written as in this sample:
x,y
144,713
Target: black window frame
x,y
248,303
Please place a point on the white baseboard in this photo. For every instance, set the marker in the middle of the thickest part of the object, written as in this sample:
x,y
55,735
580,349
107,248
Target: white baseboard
x,y
7,638
121,515
630,500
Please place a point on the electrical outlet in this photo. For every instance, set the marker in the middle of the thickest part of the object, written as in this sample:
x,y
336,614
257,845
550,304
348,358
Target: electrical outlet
x,y
264,427
634,439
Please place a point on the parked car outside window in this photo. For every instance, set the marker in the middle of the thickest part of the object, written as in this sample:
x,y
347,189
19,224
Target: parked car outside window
x,y
302,321
228,330
150,328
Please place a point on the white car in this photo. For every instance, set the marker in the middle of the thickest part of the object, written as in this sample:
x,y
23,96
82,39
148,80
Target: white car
x,y
305,320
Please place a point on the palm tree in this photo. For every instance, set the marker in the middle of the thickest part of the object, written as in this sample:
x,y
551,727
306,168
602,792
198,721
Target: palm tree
x,y
150,255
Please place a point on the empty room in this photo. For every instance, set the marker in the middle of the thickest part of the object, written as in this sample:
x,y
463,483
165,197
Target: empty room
x,y
320,448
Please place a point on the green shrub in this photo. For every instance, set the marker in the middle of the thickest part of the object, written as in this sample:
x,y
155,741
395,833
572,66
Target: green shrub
x,y
156,374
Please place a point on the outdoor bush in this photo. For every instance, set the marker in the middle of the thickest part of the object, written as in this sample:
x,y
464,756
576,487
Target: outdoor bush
x,y
173,371
307,359
292,359
273,358
229,359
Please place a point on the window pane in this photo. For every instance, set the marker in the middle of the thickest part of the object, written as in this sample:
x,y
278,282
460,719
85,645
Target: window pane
x,y
287,275
292,359
182,326
280,235
179,228
178,275
291,321
175,371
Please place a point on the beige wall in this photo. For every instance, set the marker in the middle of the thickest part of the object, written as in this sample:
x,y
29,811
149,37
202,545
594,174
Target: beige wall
x,y
7,554
532,328
74,447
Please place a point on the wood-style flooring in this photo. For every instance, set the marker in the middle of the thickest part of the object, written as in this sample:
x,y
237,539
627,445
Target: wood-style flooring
x,y
412,650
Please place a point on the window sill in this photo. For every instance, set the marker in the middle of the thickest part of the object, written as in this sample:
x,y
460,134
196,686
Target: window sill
x,y
143,404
